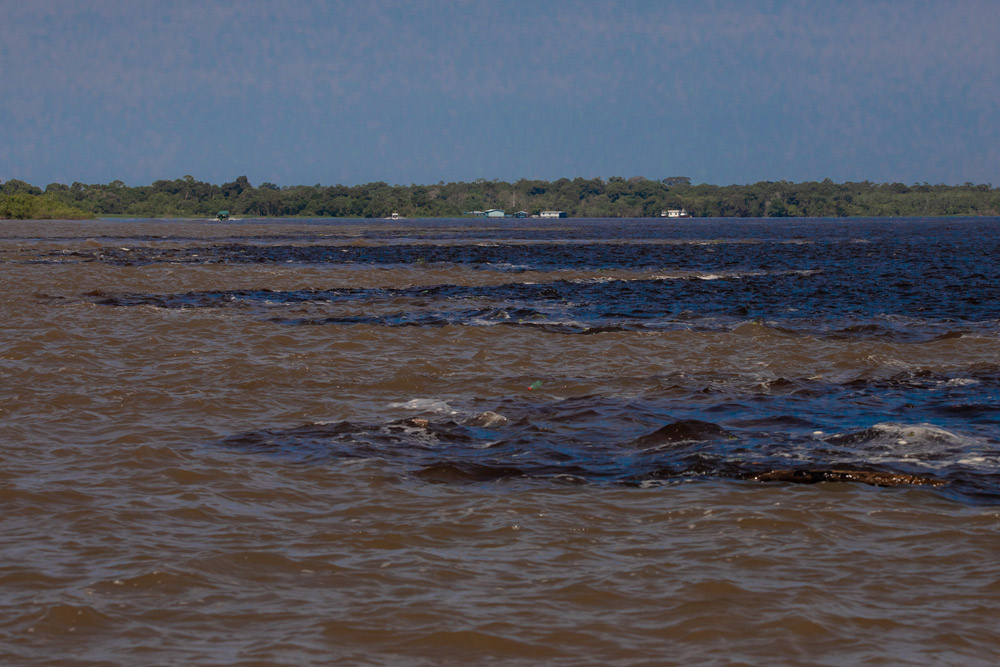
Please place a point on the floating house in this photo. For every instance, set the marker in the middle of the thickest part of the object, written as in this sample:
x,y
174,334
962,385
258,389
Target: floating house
x,y
552,214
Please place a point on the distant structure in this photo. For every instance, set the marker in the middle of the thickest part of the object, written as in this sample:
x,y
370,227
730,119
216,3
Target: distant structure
x,y
521,214
675,213
552,214
491,213
223,215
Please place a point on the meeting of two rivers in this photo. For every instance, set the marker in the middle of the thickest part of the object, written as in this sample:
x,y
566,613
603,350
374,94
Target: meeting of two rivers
x,y
452,441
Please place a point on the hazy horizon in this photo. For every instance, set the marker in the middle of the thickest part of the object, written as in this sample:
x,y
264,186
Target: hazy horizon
x,y
605,179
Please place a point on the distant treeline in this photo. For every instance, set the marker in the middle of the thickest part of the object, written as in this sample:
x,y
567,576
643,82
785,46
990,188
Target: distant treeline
x,y
615,197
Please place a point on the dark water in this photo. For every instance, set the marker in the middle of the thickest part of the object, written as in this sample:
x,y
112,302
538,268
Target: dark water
x,y
423,442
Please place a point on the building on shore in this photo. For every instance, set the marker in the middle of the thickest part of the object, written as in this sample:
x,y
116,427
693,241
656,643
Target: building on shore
x,y
675,213
552,214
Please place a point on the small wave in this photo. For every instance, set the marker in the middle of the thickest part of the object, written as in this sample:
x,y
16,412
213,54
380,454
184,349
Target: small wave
x,y
450,472
589,440
689,430
425,405
58,619
489,419
901,434
961,382
923,445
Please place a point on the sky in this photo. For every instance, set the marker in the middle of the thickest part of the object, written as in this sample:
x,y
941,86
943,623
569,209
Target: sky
x,y
423,91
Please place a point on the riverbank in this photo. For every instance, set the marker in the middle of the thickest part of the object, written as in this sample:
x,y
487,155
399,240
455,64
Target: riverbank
x,y
38,207
614,197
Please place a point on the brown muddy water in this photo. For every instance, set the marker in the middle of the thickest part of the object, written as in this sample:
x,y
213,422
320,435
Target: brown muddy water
x,y
451,442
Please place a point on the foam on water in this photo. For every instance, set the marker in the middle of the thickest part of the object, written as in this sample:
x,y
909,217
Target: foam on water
x,y
425,405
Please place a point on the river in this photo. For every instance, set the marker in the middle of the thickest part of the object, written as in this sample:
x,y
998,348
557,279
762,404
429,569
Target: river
x,y
438,442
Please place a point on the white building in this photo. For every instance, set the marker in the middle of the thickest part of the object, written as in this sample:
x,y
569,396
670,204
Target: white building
x,y
675,213
553,214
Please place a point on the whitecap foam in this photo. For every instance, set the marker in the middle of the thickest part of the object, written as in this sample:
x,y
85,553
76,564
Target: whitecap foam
x,y
488,419
417,433
905,434
925,445
602,279
426,405
960,382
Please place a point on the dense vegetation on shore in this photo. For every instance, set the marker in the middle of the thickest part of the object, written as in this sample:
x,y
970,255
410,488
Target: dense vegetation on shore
x,y
24,206
579,197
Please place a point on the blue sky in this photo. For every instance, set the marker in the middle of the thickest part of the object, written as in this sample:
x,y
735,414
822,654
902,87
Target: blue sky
x,y
304,92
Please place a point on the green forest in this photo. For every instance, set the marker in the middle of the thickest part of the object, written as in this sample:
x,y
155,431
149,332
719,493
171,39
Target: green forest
x,y
615,197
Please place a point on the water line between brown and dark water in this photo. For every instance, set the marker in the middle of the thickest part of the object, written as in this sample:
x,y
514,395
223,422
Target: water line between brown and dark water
x,y
441,442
